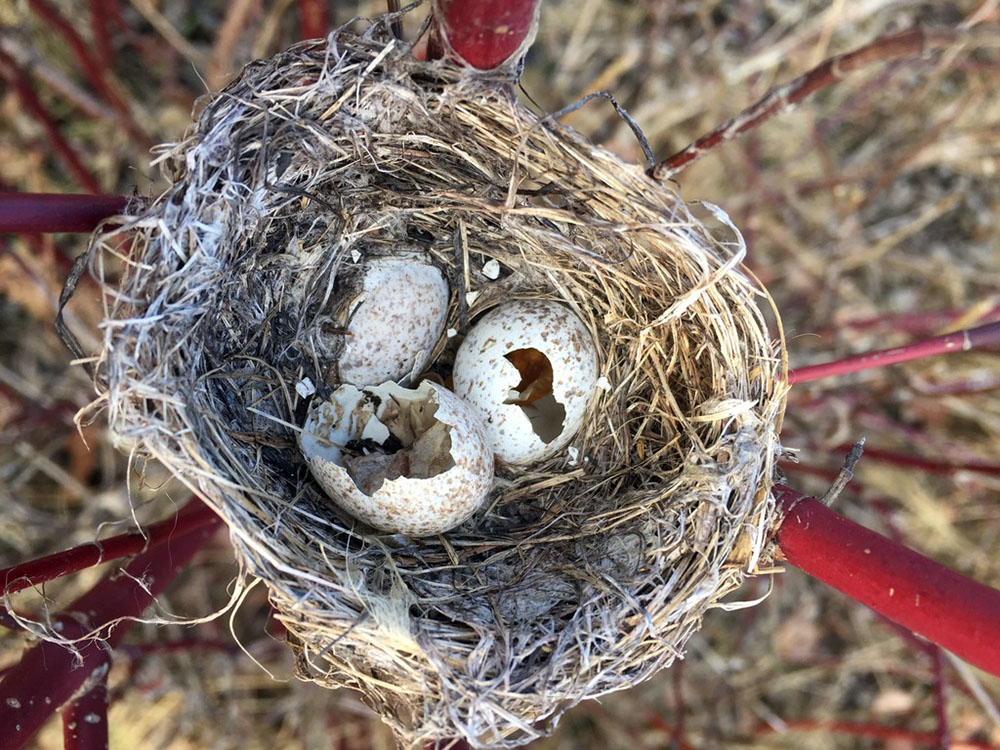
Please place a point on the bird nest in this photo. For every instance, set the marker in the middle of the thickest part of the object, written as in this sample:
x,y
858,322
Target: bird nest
x,y
583,573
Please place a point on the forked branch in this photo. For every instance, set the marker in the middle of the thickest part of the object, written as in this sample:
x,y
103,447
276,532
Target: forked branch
x,y
49,674
907,44
193,516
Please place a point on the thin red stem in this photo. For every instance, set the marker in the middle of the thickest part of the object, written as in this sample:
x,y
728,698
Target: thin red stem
x,y
30,414
933,601
99,28
928,465
49,674
960,341
940,700
193,516
482,33
680,710
140,650
916,322
655,721
977,382
911,43
870,731
26,93
85,720
314,19
55,212
93,69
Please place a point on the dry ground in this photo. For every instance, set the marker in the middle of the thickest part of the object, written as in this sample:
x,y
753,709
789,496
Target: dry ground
x,y
868,211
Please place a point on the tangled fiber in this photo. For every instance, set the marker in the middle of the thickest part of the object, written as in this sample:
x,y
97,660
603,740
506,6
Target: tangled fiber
x,y
583,574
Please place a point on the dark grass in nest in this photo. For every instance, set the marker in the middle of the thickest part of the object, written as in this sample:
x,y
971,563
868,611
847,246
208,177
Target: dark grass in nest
x,y
581,575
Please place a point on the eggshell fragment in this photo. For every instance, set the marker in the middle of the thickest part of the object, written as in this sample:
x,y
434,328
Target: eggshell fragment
x,y
393,322
530,367
414,462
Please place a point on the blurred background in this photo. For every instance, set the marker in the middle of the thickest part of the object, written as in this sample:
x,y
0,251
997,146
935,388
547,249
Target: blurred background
x,y
871,214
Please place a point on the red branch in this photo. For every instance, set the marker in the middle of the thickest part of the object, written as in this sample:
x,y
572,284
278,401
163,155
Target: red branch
x,y
871,731
55,212
85,720
482,33
26,93
50,674
931,466
913,322
90,66
960,341
314,19
193,516
99,17
933,601
911,43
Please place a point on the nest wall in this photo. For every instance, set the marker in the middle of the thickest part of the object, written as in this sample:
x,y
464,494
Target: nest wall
x,y
583,574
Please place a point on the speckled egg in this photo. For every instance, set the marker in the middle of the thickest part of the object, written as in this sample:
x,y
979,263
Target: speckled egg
x,y
393,321
414,462
530,367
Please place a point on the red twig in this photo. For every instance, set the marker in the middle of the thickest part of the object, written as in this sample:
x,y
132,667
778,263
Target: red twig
x,y
482,33
55,212
23,86
314,19
914,322
960,341
911,43
50,674
943,606
193,516
140,650
99,27
30,414
977,382
680,710
940,700
655,721
80,48
870,731
85,720
925,464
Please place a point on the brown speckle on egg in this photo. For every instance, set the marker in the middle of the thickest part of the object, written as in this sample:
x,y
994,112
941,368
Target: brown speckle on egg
x,y
394,321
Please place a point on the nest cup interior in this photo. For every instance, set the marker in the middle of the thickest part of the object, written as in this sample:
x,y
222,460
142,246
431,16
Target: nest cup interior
x,y
582,574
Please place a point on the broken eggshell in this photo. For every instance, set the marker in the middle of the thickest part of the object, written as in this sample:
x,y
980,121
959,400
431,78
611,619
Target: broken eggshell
x,y
414,462
393,321
530,367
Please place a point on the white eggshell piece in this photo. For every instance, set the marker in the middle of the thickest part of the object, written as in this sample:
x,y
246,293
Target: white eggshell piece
x,y
405,505
394,321
484,377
